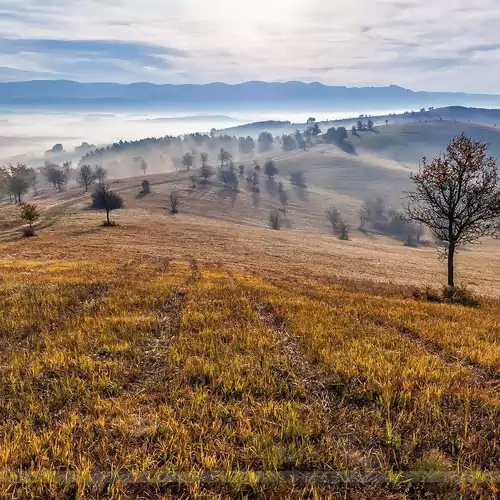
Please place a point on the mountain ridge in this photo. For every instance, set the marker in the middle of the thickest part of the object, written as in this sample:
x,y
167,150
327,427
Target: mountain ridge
x,y
298,95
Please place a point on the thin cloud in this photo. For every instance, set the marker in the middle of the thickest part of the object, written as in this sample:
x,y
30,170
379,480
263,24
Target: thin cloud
x,y
433,46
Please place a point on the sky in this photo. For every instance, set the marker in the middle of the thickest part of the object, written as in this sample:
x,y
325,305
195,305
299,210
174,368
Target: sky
x,y
451,45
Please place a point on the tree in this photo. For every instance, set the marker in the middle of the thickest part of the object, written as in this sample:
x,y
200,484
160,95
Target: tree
x,y
143,164
284,200
204,160
270,169
228,178
241,168
146,187
344,231
188,160
105,199
5,182
86,177
289,142
224,157
206,172
265,141
275,220
253,180
193,181
457,196
30,214
56,176
174,202
333,215
370,124
315,130
100,174
360,125
298,179
354,131
19,180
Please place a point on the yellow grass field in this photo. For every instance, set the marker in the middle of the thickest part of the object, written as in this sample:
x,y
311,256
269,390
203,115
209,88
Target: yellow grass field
x,y
169,357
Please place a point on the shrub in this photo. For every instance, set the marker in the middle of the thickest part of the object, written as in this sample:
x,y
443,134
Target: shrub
x,y
344,231
146,188
28,232
275,220
459,295
206,172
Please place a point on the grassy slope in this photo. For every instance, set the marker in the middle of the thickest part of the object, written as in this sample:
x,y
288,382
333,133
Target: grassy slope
x,y
192,344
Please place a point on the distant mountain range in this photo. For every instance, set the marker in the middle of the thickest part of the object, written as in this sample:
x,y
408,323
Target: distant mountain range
x,y
63,94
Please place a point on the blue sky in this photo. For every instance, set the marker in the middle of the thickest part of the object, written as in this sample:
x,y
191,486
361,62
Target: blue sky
x,y
438,45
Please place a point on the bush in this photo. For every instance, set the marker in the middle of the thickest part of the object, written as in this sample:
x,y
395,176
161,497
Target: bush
x,y
459,295
146,188
275,220
28,232
344,231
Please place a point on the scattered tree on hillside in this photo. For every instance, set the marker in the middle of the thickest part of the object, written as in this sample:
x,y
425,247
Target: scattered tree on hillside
x,y
265,141
311,120
298,179
275,220
143,164
174,202
206,172
289,142
146,187
270,169
204,160
105,199
246,145
333,216
457,196
253,180
19,180
86,177
335,136
241,169
370,124
354,131
5,182
188,160
30,214
315,131
344,231
100,174
224,157
387,122
193,179
56,175
360,125
284,201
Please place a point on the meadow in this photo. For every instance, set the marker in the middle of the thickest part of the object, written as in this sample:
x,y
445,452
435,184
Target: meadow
x,y
203,355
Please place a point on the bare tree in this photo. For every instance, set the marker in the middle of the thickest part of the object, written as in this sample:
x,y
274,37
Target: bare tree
x,y
86,177
284,201
100,174
204,160
457,196
174,202
333,215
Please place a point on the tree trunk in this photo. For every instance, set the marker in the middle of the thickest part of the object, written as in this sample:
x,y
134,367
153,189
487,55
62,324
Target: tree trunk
x,y
451,258
107,216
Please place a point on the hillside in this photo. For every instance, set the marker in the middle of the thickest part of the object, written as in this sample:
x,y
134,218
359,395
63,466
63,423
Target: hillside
x,y
204,355
187,356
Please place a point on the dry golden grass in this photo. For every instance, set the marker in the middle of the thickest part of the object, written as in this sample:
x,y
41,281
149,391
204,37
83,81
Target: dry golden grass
x,y
185,358
193,357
